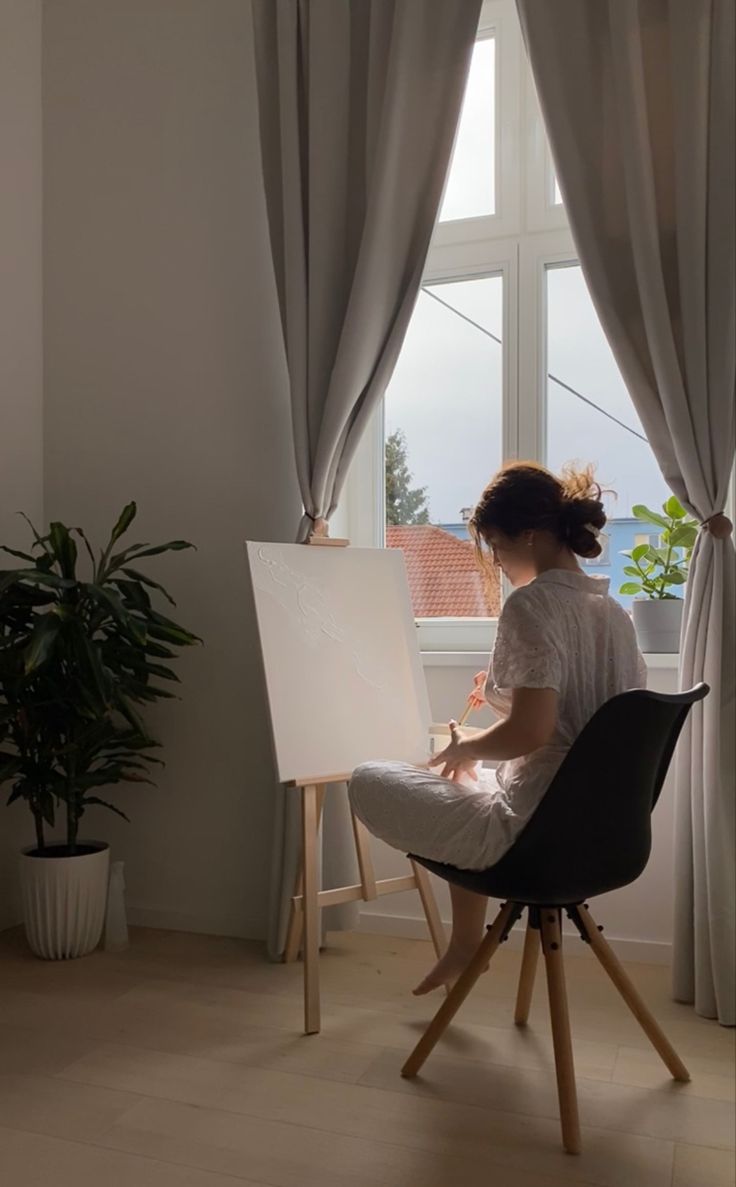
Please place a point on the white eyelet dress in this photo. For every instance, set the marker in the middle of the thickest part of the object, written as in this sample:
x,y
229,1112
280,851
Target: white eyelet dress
x,y
561,631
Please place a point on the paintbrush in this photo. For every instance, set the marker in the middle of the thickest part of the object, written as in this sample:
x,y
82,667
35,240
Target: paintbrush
x,y
475,700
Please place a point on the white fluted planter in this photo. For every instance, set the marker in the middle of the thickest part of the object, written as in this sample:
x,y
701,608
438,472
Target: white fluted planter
x,y
657,622
64,900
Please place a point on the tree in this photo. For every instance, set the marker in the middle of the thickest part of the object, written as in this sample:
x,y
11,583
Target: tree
x,y
404,505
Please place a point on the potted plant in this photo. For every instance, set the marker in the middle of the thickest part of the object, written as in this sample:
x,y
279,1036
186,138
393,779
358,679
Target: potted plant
x,y
78,657
660,571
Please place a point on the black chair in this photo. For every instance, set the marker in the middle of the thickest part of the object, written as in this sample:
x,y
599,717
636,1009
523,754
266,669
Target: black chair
x,y
590,834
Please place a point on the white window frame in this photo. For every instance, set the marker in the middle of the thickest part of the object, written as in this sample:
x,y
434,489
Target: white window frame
x,y
527,233
498,20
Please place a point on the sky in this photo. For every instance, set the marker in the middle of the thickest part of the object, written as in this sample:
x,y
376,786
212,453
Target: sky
x,y
445,392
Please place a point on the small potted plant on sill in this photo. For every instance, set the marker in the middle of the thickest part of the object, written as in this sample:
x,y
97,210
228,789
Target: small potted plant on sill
x,y
77,660
659,572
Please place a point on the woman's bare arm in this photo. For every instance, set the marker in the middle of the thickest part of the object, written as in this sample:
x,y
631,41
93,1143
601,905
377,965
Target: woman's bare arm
x,y
529,725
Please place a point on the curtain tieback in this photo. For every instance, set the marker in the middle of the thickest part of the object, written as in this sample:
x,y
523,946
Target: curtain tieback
x,y
719,525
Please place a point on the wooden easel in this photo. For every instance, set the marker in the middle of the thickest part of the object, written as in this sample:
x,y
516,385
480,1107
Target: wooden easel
x,y
308,899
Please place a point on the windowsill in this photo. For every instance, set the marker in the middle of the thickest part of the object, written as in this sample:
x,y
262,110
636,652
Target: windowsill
x,y
479,659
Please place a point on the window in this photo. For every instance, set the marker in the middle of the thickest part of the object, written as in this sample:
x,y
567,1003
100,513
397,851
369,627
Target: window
x,y
590,416
504,357
604,560
471,185
436,447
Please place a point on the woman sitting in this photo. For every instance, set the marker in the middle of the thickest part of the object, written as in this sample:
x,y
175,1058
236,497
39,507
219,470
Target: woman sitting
x,y
563,647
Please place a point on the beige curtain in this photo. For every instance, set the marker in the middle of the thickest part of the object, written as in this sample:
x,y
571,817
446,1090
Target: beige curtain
x,y
358,102
638,100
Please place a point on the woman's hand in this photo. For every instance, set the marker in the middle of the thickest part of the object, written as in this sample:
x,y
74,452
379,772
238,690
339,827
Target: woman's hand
x,y
455,759
477,697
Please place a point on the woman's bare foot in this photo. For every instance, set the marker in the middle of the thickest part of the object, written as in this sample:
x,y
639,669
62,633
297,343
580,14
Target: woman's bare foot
x,y
446,971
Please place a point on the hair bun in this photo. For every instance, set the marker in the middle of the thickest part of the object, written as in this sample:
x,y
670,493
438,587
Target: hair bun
x,y
582,514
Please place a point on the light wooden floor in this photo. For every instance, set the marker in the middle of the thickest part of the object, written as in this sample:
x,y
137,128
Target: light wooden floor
x,y
180,1063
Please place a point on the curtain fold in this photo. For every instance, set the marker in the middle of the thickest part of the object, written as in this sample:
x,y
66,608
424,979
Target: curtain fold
x,y
638,101
358,106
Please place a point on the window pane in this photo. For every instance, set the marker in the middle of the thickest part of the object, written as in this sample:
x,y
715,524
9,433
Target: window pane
x,y
590,417
556,193
471,184
443,442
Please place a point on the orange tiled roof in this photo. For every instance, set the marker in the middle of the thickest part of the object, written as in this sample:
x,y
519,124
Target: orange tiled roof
x,y
444,580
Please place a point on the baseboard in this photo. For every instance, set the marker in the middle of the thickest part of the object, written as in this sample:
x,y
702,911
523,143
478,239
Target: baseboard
x,y
237,926
411,928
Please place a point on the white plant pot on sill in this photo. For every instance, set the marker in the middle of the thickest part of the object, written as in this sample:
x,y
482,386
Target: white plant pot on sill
x,y
657,622
64,899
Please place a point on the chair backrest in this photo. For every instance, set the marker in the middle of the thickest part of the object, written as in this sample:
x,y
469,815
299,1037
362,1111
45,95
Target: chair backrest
x,y
591,832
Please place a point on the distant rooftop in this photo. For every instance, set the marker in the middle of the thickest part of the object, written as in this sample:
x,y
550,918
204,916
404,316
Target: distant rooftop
x,y
444,580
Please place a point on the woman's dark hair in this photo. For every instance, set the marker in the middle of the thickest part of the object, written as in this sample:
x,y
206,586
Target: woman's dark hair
x,y
524,497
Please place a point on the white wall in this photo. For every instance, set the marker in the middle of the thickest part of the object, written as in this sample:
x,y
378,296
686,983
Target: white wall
x,y
21,365
637,918
165,383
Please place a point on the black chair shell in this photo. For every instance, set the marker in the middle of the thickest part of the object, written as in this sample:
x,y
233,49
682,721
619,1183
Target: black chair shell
x,y
591,832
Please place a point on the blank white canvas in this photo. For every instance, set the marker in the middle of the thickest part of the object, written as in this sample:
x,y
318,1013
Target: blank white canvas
x,y
343,670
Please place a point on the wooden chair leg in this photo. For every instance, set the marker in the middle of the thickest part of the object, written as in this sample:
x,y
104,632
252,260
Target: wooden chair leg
x,y
528,973
431,910
616,972
459,991
310,911
564,1066
296,918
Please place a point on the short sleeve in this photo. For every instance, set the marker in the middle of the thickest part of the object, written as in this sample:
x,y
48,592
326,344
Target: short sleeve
x,y
525,654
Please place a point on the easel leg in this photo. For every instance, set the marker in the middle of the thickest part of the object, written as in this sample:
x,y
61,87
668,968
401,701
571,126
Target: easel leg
x,y
294,931
310,910
431,910
365,862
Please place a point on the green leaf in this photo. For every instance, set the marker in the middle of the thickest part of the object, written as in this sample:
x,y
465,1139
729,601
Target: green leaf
x,y
640,551
142,577
658,556
674,508
683,536
673,577
42,641
112,602
42,541
88,546
163,672
93,799
642,512
65,550
184,637
119,558
172,546
46,804
127,516
133,594
158,650
24,556
630,571
10,766
630,587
